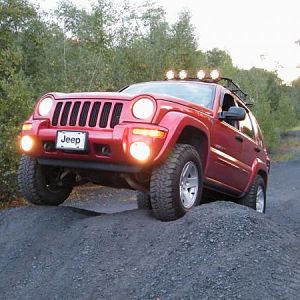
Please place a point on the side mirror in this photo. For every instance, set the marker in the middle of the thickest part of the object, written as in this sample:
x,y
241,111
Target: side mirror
x,y
234,113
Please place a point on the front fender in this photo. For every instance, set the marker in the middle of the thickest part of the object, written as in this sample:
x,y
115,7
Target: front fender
x,y
176,122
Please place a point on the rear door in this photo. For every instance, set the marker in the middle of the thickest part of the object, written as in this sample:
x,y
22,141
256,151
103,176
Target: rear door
x,y
253,146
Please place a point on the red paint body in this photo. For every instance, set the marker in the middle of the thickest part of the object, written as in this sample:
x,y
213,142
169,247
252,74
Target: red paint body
x,y
228,164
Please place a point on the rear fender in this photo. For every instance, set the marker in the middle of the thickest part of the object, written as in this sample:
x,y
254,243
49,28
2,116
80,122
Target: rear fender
x,y
258,168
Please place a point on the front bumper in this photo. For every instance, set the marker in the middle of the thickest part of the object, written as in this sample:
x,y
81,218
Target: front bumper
x,y
117,141
90,165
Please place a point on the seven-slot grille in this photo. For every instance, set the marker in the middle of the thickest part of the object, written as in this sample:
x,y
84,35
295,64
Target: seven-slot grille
x,y
100,114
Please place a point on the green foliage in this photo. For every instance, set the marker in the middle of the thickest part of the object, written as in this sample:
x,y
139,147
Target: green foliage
x,y
106,48
267,121
295,96
286,114
183,43
15,106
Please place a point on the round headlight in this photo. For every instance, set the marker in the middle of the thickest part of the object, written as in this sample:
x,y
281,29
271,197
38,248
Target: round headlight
x,y
45,106
143,108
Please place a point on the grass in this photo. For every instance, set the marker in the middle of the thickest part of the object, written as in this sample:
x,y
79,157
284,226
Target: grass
x,y
288,148
13,203
282,156
297,128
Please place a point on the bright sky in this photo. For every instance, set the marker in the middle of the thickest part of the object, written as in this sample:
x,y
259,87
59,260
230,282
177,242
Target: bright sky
x,y
260,33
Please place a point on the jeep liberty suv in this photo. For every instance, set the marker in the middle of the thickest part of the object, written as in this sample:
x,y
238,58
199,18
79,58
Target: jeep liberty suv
x,y
178,141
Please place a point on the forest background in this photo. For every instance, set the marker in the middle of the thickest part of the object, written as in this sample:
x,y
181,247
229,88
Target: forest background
x,y
105,49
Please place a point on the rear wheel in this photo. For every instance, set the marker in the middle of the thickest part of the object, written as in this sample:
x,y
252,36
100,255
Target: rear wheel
x,y
176,185
256,198
38,184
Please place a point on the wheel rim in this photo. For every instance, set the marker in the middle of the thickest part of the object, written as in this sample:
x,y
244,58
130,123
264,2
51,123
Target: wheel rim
x,y
189,184
260,199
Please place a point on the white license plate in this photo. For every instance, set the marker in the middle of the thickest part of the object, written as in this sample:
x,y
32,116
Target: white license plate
x,y
71,140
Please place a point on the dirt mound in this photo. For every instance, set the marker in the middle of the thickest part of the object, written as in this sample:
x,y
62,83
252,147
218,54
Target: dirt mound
x,y
219,250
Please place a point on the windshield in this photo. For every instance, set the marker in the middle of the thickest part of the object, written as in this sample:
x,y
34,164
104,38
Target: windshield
x,y
202,94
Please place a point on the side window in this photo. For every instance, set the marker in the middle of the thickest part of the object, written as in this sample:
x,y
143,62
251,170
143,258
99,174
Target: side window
x,y
259,136
227,102
246,127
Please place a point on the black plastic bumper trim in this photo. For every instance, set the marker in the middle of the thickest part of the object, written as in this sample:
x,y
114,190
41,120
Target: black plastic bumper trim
x,y
91,165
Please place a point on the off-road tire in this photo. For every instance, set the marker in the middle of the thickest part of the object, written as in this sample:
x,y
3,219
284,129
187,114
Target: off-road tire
x,y
250,198
143,200
33,187
165,183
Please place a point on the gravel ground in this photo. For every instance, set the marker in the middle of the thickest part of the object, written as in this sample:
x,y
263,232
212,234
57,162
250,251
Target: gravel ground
x,y
104,248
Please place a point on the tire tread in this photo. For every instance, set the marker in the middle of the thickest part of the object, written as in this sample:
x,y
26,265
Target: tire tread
x,y
31,184
162,183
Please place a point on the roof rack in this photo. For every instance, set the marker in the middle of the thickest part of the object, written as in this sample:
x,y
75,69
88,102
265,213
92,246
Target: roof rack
x,y
233,87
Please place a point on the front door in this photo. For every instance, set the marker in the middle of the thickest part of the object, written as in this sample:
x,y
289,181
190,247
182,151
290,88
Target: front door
x,y
225,164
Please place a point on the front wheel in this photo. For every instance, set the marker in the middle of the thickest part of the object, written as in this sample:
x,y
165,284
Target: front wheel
x,y
38,183
256,198
176,185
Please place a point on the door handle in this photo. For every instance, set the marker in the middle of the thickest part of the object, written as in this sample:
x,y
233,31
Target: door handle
x,y
257,149
239,138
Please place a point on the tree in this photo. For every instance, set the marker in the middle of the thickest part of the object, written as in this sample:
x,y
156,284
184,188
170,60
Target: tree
x,y
183,51
295,96
106,48
16,94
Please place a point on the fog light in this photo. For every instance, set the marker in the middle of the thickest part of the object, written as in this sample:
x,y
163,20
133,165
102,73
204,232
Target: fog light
x,y
26,143
140,151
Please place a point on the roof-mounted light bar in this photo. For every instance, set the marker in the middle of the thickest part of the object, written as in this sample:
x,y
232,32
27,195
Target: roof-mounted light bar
x,y
183,74
214,76
170,75
201,75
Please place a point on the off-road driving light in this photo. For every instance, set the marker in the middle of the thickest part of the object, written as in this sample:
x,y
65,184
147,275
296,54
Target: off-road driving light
x,y
26,143
143,108
201,74
170,75
214,74
45,106
140,151
149,132
183,74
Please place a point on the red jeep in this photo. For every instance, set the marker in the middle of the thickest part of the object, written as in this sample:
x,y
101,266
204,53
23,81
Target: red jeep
x,y
178,141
